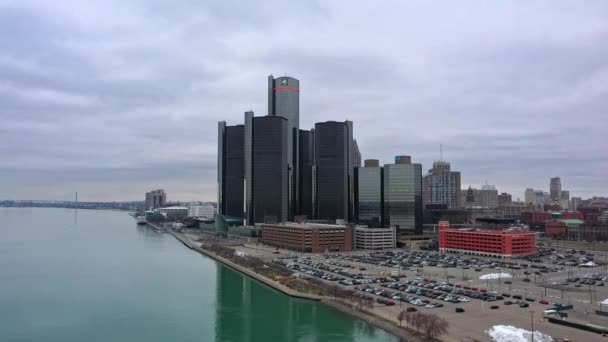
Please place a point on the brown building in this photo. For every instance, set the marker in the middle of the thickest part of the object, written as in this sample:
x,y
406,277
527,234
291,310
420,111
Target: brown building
x,y
308,237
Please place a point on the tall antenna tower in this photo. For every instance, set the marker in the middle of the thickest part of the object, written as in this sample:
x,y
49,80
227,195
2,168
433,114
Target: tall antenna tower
x,y
440,152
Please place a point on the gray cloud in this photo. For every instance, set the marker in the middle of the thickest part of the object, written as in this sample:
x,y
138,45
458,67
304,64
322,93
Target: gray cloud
x,y
113,98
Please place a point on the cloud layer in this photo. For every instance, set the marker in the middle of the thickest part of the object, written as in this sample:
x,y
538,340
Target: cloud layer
x,y
114,98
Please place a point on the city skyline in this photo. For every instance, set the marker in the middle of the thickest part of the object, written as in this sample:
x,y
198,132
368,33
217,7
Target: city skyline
x,y
88,108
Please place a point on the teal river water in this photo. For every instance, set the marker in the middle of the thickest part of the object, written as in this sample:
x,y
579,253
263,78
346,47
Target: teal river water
x,y
98,277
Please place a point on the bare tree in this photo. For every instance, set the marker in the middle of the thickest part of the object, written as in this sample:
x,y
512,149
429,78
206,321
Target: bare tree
x,y
433,326
402,316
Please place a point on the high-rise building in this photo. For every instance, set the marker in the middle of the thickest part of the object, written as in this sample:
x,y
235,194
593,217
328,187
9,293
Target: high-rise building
x,y
530,196
565,199
369,194
155,199
504,199
306,173
441,186
555,187
541,196
284,100
332,170
574,203
231,168
248,164
270,169
403,195
488,196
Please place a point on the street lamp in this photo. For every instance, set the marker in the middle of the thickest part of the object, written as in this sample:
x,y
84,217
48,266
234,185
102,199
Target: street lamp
x,y
532,324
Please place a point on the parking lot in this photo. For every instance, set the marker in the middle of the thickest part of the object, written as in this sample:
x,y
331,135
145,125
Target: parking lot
x,y
473,293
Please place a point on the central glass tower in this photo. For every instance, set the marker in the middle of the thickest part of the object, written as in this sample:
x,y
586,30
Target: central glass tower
x,y
284,101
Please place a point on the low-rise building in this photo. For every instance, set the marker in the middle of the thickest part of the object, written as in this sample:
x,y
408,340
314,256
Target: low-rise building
x,y
206,211
486,242
375,238
308,237
173,212
556,229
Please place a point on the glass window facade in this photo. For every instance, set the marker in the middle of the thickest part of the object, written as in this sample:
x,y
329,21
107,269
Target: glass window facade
x,y
270,169
369,196
403,197
234,170
331,161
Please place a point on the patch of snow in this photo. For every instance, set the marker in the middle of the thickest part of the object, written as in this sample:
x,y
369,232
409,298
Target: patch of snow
x,y
605,301
495,276
239,253
508,333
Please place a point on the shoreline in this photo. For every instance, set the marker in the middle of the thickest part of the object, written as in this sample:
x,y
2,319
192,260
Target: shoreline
x,y
385,324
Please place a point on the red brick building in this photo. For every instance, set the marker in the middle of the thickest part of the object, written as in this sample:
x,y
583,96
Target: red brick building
x,y
569,215
556,229
486,242
308,237
530,217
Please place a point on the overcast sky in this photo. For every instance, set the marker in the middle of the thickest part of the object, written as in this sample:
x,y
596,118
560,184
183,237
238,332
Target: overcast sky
x,y
119,97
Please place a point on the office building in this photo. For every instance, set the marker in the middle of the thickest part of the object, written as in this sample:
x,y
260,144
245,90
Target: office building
x,y
369,194
248,171
403,196
541,197
202,211
574,203
504,199
488,197
306,173
565,199
530,196
375,238
234,168
555,187
486,242
155,199
284,101
270,169
308,237
441,186
332,170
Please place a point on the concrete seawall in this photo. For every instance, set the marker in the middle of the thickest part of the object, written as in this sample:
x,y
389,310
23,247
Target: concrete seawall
x,y
380,322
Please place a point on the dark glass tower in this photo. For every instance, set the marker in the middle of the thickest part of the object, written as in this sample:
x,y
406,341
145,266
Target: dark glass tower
x,y
269,169
284,100
231,166
332,170
305,173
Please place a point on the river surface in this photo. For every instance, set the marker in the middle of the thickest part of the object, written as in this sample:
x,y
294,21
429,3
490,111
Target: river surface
x,y
95,276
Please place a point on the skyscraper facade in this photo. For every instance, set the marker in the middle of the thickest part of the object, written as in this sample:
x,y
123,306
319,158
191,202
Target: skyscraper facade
x,y
332,170
284,101
442,186
248,172
555,187
403,195
270,169
231,166
369,194
306,173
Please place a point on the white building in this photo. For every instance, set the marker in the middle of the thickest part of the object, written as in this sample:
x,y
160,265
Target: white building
x,y
206,211
375,238
173,212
